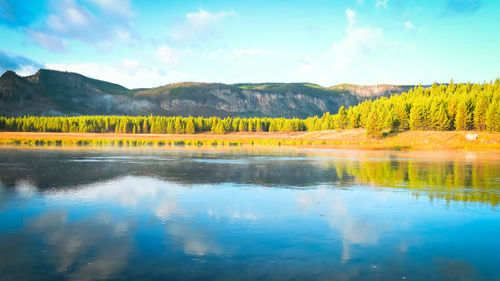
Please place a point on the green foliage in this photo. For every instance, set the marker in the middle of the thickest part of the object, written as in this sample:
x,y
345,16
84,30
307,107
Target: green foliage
x,y
190,126
342,118
493,117
373,125
440,107
463,119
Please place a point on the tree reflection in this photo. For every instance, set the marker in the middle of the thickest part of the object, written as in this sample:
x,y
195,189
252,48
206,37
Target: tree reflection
x,y
454,179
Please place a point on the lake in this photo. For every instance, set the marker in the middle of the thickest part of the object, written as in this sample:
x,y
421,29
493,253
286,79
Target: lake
x,y
249,215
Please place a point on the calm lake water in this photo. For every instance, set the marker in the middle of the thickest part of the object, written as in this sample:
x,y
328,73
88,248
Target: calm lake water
x,y
233,215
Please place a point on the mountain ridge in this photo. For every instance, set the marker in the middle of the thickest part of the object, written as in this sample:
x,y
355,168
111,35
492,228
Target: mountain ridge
x,y
53,93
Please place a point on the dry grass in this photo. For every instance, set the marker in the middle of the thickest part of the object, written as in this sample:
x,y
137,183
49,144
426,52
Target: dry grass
x,y
345,139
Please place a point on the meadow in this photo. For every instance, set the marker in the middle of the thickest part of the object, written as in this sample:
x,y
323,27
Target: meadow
x,y
333,139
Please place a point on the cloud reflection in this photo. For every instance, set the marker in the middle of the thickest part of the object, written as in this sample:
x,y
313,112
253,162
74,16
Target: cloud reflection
x,y
86,249
195,240
128,223
354,227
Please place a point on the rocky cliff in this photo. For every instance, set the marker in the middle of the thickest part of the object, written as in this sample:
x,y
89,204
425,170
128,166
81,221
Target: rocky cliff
x,y
62,93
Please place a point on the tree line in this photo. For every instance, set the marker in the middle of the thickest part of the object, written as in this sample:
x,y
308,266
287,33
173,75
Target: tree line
x,y
439,107
149,124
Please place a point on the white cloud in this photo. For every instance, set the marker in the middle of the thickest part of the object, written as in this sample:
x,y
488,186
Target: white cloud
x,y
49,42
130,65
203,18
114,7
21,65
350,18
123,34
250,52
129,73
408,25
27,70
355,58
239,53
306,69
381,3
78,16
216,53
357,42
71,20
198,24
169,55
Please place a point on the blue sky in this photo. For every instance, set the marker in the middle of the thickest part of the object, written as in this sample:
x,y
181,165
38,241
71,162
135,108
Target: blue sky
x,y
151,43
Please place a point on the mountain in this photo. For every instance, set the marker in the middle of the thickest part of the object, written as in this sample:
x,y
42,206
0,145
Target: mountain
x,y
53,93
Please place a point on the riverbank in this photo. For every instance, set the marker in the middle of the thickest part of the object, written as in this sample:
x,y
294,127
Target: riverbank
x,y
345,139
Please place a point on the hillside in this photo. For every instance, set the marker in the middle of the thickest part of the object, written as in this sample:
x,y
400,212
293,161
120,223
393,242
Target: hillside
x,y
54,93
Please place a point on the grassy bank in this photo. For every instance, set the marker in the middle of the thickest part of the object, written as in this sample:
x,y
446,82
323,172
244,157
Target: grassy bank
x,y
345,139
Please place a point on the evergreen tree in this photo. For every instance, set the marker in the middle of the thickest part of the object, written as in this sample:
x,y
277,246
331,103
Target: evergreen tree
x,y
243,126
417,116
219,129
190,126
492,115
463,119
373,125
145,129
259,127
342,118
272,127
440,120
65,126
179,128
480,113
287,126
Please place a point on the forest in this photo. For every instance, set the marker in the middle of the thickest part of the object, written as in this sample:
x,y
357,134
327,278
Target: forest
x,y
458,107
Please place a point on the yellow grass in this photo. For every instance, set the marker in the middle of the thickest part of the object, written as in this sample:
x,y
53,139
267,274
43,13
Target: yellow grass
x,y
345,139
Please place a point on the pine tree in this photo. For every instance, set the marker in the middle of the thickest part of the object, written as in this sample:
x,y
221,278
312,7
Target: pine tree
x,y
190,126
219,129
287,126
373,125
145,129
480,113
491,117
179,128
342,119
258,127
243,127
439,119
65,126
353,117
417,116
272,126
463,119
403,113
250,126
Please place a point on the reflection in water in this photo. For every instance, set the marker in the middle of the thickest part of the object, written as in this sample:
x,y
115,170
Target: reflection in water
x,y
267,215
53,244
468,178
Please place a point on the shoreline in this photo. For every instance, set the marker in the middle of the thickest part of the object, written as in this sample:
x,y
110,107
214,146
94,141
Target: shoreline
x,y
352,139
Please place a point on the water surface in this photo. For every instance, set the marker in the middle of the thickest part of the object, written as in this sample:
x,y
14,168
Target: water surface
x,y
236,215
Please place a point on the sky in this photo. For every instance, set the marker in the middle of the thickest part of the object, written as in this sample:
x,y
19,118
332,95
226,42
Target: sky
x,y
141,43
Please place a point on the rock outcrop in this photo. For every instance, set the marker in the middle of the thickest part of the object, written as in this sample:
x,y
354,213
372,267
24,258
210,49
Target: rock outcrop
x,y
63,93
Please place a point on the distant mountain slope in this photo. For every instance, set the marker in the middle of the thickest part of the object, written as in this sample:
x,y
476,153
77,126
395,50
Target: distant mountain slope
x,y
51,92
371,91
